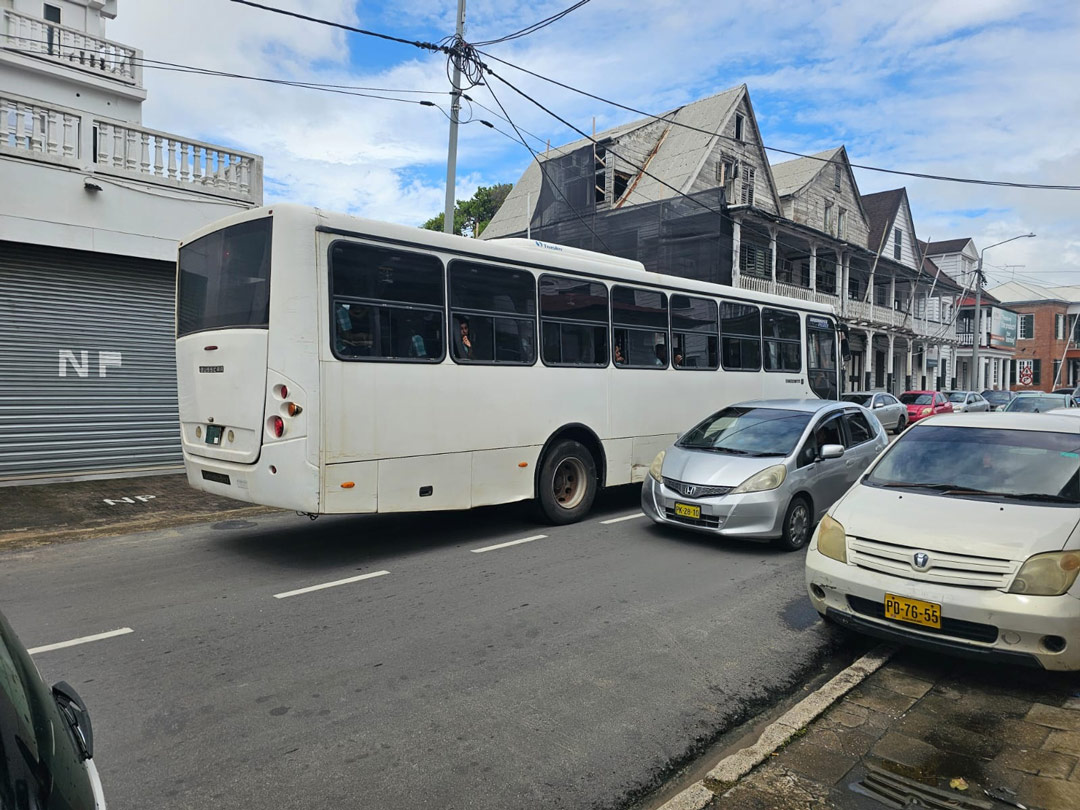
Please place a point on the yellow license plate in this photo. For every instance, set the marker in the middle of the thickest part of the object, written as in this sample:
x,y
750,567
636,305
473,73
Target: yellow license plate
x,y
687,510
913,611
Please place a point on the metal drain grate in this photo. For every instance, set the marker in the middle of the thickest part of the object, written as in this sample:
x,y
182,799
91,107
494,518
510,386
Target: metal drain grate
x,y
902,792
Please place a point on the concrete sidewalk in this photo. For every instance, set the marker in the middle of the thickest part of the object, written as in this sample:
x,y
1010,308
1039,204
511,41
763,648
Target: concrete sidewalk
x,y
33,515
903,736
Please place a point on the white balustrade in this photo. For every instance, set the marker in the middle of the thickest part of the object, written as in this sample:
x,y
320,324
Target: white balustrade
x,y
69,46
762,285
35,130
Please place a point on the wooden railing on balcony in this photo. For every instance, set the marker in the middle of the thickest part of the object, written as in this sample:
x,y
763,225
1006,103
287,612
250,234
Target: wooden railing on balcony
x,y
70,46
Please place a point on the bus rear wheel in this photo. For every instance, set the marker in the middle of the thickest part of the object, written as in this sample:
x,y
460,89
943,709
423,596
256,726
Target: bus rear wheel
x,y
568,482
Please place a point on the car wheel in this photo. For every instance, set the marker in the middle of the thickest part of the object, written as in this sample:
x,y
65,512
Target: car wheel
x,y
568,483
901,423
798,525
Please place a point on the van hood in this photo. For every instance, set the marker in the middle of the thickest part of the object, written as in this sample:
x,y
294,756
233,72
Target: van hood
x,y
981,528
715,469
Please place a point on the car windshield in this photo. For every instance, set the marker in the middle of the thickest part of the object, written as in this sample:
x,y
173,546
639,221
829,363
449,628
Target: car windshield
x,y
912,398
1038,466
858,399
997,397
748,431
957,396
1037,404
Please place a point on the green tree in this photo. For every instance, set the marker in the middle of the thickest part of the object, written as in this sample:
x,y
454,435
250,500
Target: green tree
x,y
471,216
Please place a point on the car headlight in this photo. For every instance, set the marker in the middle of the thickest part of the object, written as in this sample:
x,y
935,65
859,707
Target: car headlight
x,y
926,411
832,539
657,466
1047,574
769,478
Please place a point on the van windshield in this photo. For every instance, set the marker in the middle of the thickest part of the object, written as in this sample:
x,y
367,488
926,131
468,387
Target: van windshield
x,y
225,279
1027,465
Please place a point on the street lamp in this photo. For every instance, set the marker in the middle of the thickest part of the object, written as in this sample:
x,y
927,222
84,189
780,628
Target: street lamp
x,y
976,337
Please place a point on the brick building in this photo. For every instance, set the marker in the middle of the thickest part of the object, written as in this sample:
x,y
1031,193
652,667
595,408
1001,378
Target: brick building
x,y
1047,318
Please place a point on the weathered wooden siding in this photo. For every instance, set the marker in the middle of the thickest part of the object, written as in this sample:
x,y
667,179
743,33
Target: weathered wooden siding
x,y
749,153
807,206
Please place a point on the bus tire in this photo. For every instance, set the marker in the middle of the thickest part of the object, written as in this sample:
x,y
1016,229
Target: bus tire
x,y
568,483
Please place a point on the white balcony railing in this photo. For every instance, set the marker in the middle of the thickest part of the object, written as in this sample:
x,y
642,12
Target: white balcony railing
x,y
755,283
69,46
31,130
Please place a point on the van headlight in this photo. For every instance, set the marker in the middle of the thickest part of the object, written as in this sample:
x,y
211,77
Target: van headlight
x,y
657,466
832,539
1047,574
769,478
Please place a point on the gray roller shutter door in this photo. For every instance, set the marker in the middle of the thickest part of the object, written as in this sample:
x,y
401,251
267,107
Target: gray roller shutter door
x,y
87,363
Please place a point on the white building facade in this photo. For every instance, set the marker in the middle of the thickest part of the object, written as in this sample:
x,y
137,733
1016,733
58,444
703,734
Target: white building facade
x,y
92,206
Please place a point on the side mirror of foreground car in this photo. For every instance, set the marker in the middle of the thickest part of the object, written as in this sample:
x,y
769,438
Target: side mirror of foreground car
x,y
73,710
832,451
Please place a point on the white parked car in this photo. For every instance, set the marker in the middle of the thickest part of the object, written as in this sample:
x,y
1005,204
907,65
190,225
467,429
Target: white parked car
x,y
890,411
967,402
963,536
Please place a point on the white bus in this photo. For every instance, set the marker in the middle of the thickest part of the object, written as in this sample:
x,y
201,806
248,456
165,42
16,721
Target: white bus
x,y
331,364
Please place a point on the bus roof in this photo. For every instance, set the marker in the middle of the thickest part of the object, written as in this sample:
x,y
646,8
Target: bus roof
x,y
532,252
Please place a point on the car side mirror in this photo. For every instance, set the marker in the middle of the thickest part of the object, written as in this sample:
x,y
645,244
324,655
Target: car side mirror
x,y
74,712
832,451
879,404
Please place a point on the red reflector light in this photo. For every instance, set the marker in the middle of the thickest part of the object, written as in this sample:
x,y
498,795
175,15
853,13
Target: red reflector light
x,y
284,391
209,348
279,426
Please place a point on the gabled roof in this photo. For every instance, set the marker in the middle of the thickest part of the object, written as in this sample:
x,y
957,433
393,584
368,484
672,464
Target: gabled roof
x,y
946,246
1017,291
680,149
794,175
881,209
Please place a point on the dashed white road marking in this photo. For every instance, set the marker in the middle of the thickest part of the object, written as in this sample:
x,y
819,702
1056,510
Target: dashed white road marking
x,y
123,631
333,584
511,543
624,517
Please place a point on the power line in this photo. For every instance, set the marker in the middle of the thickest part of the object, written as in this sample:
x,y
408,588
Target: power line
x,y
669,118
532,29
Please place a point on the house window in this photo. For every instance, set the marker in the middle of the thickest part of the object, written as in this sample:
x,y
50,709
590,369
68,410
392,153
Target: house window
x,y
1027,327
841,221
748,186
726,172
622,182
755,260
836,177
826,277
853,289
828,217
1059,327
739,121
898,241
51,14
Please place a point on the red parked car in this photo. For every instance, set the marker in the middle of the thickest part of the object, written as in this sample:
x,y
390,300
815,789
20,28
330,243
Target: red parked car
x,y
921,404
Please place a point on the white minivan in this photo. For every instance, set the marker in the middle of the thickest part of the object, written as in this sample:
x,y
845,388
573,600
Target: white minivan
x,y
963,537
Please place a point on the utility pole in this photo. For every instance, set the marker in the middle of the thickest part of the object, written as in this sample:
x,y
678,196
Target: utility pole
x,y
455,109
977,335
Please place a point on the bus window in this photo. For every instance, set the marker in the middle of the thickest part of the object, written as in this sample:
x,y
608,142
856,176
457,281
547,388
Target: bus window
x,y
694,333
493,314
740,330
640,321
783,346
387,304
821,359
573,322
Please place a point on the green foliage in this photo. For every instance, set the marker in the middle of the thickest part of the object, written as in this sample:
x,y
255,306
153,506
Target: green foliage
x,y
472,216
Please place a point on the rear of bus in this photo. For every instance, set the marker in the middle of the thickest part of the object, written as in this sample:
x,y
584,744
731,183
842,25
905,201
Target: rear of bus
x,y
246,356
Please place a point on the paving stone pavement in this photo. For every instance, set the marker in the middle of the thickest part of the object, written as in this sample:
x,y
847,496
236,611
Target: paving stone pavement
x,y
929,720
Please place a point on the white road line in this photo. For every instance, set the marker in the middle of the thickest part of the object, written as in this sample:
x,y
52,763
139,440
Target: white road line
x,y
123,631
511,543
624,517
334,584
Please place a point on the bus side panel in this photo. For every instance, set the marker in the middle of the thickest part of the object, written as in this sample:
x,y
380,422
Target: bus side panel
x,y
619,454
498,477
425,483
351,488
645,450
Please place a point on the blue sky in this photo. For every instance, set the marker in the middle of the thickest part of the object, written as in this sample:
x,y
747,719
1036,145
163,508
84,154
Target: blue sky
x,y
974,88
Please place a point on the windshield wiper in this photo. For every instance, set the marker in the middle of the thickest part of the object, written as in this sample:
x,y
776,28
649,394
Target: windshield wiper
x,y
913,485
1046,497
731,450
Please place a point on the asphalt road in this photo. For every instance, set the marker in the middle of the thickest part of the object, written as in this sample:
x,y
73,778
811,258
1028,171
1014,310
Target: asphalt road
x,y
576,670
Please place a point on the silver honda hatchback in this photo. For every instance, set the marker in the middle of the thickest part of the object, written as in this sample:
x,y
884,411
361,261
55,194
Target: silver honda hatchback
x,y
767,469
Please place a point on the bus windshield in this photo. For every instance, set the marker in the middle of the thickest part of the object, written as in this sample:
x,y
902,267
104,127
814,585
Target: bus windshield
x,y
225,279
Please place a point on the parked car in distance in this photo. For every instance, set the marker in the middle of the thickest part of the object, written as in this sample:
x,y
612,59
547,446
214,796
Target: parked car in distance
x,y
46,741
888,409
921,404
981,549
998,399
766,469
1038,402
1073,392
967,402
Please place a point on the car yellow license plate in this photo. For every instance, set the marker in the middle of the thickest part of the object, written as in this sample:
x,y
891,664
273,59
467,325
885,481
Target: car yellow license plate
x,y
913,611
688,510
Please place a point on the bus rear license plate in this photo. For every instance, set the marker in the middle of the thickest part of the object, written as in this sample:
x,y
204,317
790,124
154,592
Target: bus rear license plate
x,y
688,511
217,478
213,434
913,611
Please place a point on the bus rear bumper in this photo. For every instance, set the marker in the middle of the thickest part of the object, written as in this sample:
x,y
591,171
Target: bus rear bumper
x,y
281,477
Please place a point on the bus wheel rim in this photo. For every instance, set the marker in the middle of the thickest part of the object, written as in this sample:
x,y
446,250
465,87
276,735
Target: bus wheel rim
x,y
569,484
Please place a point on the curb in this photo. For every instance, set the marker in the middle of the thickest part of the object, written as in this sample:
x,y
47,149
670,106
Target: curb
x,y
728,771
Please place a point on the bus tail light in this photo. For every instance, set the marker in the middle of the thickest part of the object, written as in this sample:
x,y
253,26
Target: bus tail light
x,y
277,426
294,409
283,391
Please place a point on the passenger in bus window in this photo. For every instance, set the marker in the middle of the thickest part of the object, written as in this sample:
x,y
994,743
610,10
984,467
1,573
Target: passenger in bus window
x,y
356,341
661,354
620,360
463,348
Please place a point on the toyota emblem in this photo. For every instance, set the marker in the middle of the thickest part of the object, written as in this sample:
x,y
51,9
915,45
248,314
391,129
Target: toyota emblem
x,y
921,560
